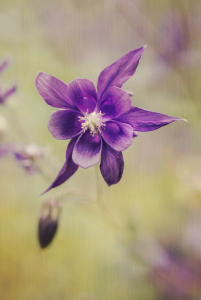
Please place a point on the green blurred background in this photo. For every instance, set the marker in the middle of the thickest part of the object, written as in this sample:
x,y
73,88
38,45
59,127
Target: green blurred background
x,y
108,250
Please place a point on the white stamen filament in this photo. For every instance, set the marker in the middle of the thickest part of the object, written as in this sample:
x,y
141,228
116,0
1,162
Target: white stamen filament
x,y
93,122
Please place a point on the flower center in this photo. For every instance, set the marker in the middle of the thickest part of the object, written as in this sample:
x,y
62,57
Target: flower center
x,y
93,122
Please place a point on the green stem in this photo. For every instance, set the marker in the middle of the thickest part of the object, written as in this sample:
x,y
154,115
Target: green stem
x,y
98,185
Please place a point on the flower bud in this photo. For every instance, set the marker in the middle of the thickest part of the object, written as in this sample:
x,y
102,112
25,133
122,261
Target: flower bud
x,y
48,222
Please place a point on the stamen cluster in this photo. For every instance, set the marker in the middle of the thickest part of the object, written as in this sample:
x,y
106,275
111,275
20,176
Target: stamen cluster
x,y
93,122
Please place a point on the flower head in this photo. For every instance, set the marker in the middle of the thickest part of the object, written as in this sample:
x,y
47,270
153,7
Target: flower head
x,y
100,124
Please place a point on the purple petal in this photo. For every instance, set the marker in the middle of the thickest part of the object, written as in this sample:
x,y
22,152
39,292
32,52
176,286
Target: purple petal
x,y
53,91
112,164
83,94
64,124
87,151
119,72
144,120
114,103
118,135
68,169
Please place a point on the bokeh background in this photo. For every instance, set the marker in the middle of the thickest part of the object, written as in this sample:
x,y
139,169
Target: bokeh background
x,y
142,238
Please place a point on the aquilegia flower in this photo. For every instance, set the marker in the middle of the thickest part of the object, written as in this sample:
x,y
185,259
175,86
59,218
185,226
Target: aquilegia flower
x,y
100,124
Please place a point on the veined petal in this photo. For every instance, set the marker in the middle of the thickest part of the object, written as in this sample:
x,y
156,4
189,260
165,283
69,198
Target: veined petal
x,y
68,169
64,124
119,72
112,164
53,91
114,103
144,120
118,135
87,150
83,94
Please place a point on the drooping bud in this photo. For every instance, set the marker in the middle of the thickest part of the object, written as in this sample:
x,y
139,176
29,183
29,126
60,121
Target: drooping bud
x,y
48,222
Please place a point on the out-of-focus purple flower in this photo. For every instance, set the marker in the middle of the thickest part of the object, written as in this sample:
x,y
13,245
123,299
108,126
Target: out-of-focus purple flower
x,y
100,124
180,278
26,155
174,50
4,150
5,93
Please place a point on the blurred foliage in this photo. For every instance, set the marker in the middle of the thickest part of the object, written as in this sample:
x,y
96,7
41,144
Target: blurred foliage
x,y
104,250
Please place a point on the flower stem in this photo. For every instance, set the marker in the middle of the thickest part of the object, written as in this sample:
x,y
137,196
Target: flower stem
x,y
98,186
103,205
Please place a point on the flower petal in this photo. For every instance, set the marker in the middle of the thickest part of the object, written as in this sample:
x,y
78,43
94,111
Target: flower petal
x,y
112,164
118,135
114,103
64,124
83,94
53,91
87,151
68,169
144,120
119,72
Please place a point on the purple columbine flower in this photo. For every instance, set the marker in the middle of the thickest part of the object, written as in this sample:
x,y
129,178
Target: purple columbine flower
x,y
100,124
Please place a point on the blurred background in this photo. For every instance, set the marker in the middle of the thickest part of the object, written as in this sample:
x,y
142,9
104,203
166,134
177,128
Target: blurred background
x,y
142,239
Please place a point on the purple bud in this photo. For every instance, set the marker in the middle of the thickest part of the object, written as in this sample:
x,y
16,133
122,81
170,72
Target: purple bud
x,y
48,222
